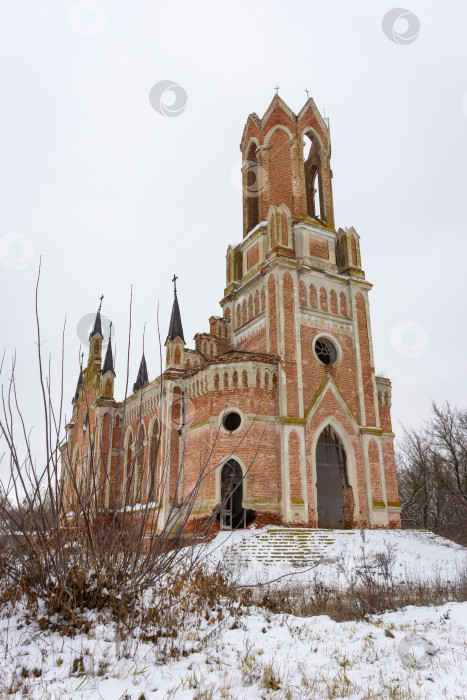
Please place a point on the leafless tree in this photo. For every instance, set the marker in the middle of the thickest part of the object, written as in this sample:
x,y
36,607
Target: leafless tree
x,y
432,473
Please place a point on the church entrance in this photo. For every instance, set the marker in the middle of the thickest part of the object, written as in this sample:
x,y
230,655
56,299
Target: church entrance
x,y
331,471
232,514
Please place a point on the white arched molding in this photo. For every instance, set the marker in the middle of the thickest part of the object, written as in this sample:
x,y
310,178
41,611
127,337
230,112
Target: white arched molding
x,y
275,128
306,130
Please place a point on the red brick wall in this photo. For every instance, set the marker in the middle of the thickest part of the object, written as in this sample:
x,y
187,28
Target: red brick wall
x,y
314,372
289,362
272,315
294,466
390,474
319,247
323,299
375,473
252,256
367,370
313,301
280,170
343,304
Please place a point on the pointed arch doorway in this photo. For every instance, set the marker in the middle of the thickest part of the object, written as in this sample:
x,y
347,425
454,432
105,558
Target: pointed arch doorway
x,y
232,513
331,478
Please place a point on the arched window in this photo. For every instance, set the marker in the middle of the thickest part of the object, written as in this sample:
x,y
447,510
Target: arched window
x,y
251,188
154,442
139,457
313,184
177,357
256,302
129,466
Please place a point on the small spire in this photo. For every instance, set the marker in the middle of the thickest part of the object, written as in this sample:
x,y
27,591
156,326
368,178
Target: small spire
x,y
97,323
175,327
109,361
79,385
142,379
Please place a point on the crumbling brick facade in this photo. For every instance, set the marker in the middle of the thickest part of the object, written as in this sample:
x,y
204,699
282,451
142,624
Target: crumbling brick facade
x,y
285,375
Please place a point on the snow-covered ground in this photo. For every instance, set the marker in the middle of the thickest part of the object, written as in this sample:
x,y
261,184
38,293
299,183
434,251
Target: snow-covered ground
x,y
263,555
416,652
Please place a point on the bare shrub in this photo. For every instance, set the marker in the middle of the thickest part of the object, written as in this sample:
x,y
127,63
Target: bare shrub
x,y
64,551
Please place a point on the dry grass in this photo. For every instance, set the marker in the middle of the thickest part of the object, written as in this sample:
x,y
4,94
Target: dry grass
x,y
368,588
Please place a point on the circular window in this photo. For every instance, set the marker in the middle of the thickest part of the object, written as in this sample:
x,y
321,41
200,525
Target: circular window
x,y
325,351
232,421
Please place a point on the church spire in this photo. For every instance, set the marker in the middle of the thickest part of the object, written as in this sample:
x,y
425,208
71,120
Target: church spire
x,y
97,323
142,379
175,327
79,385
109,362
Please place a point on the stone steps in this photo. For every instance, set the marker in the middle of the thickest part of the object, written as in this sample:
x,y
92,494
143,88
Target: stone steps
x,y
292,545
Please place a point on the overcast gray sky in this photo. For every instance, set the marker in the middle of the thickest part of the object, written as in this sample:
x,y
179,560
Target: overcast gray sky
x,y
112,193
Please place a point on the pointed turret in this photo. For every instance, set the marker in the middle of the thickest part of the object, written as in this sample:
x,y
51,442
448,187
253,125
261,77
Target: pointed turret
x,y
175,327
109,360
142,379
107,371
95,340
175,342
97,325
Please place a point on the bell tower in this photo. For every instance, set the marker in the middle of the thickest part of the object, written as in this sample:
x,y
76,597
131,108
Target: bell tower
x,y
286,161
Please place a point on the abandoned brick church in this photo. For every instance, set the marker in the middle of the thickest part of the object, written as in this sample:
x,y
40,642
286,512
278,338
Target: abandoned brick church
x,y
277,406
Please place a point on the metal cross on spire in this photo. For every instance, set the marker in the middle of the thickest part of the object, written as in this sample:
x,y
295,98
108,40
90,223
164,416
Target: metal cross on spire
x,y
307,93
82,356
277,88
100,305
174,280
110,331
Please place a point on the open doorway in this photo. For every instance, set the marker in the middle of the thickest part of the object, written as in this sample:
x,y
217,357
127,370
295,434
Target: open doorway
x,y
232,513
